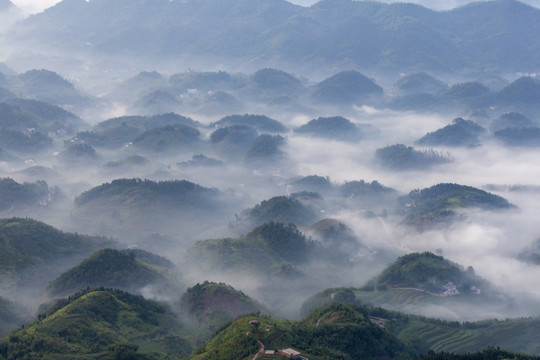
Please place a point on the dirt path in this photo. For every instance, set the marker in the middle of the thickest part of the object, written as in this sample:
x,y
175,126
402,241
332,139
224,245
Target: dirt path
x,y
261,350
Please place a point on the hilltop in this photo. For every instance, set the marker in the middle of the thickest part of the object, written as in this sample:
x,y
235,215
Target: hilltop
x,y
332,332
130,270
33,253
441,203
215,304
266,250
103,323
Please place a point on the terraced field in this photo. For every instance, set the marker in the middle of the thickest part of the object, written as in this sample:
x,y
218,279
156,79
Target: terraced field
x,y
515,335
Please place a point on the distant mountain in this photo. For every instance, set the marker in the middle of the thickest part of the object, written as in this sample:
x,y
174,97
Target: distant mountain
x,y
125,207
335,128
419,83
510,120
47,86
130,270
439,204
14,195
113,323
167,138
332,34
260,122
401,157
459,133
277,209
346,87
519,136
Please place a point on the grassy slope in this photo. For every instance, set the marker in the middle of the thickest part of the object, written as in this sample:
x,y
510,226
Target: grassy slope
x,y
91,322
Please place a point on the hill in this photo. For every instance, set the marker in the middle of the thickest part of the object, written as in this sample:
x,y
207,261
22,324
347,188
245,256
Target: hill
x,y
428,272
14,196
519,136
101,323
284,209
347,87
166,138
441,203
267,250
401,157
33,253
459,133
128,270
333,332
260,122
215,304
418,83
335,128
128,207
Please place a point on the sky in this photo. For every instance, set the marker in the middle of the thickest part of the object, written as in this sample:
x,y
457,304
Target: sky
x,y
35,6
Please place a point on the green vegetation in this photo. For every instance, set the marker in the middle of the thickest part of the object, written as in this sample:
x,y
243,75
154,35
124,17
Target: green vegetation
x,y
346,87
102,324
338,331
167,137
420,83
30,141
13,194
30,250
264,148
435,205
116,269
428,272
336,128
78,151
510,120
259,122
401,157
490,353
110,137
215,305
137,192
459,133
267,246
279,209
519,136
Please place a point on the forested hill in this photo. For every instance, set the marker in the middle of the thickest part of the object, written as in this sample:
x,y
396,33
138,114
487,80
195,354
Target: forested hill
x,y
370,34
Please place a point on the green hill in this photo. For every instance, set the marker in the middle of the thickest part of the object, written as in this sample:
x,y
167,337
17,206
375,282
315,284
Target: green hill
x,y
15,195
168,137
459,133
133,208
340,332
335,128
440,203
428,272
418,83
33,253
347,88
12,315
265,250
278,209
402,157
259,122
100,324
121,269
214,304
